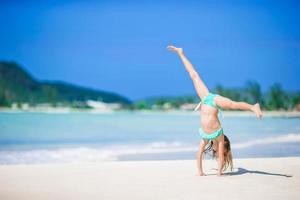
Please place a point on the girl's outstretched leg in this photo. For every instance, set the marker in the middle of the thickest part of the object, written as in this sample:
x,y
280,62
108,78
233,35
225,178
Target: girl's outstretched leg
x,y
227,103
199,85
199,157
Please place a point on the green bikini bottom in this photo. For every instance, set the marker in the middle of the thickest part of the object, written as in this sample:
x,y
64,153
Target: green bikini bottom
x,y
210,136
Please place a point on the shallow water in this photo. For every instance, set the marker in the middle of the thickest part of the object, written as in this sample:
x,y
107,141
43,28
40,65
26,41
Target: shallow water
x,y
90,137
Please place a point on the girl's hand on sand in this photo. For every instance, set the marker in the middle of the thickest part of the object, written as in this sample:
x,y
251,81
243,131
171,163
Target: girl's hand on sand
x,y
201,174
223,175
175,49
220,174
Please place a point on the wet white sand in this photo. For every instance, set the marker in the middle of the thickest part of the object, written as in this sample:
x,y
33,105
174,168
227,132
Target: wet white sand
x,y
259,178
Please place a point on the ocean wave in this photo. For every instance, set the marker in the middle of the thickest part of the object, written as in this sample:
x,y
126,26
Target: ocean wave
x,y
288,138
114,152
88,154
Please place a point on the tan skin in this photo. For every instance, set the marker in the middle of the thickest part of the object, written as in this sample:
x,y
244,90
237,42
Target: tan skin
x,y
209,115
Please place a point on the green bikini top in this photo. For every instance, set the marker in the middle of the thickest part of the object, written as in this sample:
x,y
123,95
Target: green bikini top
x,y
209,100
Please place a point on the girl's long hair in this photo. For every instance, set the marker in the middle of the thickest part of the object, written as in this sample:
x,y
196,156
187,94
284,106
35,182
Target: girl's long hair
x,y
227,153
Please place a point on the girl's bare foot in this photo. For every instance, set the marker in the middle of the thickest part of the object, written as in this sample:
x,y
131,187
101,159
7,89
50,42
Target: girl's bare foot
x,y
256,109
175,49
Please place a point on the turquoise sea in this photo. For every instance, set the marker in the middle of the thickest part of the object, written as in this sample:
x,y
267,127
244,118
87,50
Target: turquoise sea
x,y
28,138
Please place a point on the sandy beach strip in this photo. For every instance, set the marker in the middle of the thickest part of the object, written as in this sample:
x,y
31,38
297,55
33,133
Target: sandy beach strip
x,y
259,178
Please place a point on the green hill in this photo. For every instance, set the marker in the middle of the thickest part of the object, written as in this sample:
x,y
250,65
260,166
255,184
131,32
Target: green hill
x,y
17,85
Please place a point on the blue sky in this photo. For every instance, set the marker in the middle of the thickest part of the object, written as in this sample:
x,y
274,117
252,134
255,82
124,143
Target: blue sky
x,y
120,46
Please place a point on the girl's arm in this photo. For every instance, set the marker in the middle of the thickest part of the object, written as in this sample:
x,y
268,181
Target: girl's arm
x,y
199,85
199,157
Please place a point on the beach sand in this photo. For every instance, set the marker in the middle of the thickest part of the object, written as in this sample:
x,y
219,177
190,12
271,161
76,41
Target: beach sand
x,y
259,178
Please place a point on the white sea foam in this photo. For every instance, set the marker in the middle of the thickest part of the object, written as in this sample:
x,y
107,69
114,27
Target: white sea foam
x,y
272,140
88,154
114,152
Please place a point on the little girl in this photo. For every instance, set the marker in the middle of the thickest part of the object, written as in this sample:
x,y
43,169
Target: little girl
x,y
211,129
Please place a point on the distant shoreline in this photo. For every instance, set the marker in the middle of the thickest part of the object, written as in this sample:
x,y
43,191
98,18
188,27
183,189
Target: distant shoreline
x,y
290,114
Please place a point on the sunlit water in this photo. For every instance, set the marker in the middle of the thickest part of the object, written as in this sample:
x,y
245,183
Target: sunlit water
x,y
27,138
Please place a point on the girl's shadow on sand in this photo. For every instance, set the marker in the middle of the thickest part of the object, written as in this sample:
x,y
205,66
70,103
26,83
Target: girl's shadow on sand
x,y
241,171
